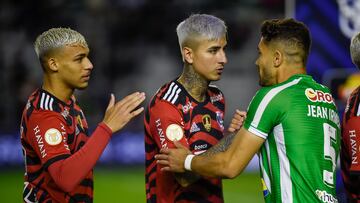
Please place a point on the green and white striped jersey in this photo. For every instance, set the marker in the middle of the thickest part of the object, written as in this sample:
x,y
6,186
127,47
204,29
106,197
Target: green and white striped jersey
x,y
300,122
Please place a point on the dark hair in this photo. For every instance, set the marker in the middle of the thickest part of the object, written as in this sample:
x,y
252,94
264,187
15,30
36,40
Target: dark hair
x,y
290,32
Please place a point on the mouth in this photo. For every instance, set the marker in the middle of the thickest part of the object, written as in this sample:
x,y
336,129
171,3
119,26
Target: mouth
x,y
86,77
220,70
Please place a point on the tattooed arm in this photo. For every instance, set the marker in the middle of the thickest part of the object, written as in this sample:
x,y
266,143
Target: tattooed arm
x,y
227,159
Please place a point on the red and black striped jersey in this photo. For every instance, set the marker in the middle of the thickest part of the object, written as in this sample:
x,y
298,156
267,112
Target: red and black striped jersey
x,y
173,108
52,130
350,147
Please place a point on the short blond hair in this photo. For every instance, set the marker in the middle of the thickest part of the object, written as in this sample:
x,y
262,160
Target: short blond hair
x,y
56,38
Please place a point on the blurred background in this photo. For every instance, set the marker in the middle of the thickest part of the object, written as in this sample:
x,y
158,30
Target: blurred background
x,y
134,48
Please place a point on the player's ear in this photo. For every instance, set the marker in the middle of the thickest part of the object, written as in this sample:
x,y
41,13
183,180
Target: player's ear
x,y
278,58
52,64
187,55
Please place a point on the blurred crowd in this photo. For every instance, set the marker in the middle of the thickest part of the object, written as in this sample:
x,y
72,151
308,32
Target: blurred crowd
x,y
133,47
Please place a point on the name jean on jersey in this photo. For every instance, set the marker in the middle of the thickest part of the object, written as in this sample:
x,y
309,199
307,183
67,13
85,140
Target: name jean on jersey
x,y
323,112
352,136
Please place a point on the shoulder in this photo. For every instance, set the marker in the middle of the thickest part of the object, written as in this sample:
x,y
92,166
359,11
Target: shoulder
x,y
215,93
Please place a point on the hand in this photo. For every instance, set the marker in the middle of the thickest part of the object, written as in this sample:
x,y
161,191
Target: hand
x,y
118,114
237,121
173,159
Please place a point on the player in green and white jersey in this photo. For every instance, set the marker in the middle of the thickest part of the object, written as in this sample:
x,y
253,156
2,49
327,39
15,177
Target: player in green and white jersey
x,y
292,123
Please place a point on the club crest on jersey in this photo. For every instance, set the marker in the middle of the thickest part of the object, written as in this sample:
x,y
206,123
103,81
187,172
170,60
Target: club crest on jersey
x,y
318,96
219,119
174,132
206,120
216,98
194,128
187,107
53,136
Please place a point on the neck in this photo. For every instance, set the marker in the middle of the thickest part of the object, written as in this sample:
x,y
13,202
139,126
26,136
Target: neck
x,y
57,88
194,84
292,69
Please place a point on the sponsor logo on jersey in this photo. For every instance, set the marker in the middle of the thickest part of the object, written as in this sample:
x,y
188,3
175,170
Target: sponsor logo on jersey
x,y
161,134
318,96
53,136
326,197
187,107
206,120
63,132
194,128
219,119
200,147
174,132
40,142
216,98
352,136
265,189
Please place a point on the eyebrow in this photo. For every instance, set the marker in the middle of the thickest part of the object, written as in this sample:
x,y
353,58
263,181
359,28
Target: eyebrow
x,y
81,55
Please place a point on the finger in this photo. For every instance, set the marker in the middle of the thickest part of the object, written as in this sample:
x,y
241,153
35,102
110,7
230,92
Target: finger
x,y
137,112
165,168
161,157
241,113
111,102
133,102
128,98
163,162
231,129
165,151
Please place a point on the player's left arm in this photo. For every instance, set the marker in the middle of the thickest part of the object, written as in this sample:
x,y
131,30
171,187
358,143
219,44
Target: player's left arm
x,y
216,162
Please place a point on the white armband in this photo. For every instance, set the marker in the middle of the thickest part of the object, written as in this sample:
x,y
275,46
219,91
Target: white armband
x,y
187,163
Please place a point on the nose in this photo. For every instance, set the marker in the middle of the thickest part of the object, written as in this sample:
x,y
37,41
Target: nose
x,y
89,65
223,58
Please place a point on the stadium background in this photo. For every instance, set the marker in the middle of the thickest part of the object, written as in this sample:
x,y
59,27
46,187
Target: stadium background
x,y
134,47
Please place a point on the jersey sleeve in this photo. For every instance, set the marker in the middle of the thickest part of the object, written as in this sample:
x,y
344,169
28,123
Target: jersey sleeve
x,y
48,135
351,138
166,125
264,112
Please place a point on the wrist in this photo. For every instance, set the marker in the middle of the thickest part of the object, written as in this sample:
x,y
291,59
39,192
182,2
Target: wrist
x,y
187,162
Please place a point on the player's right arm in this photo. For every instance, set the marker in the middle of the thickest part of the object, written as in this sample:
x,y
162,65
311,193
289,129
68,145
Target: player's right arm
x,y
48,132
167,125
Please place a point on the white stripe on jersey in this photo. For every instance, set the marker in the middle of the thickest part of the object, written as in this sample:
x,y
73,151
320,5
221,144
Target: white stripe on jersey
x,y
176,96
172,93
51,103
257,132
168,91
47,102
42,101
266,100
358,113
285,180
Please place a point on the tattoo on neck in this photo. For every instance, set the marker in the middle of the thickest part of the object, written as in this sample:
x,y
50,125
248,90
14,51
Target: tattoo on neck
x,y
221,146
194,83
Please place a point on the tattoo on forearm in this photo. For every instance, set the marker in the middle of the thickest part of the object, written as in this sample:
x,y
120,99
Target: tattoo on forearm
x,y
221,146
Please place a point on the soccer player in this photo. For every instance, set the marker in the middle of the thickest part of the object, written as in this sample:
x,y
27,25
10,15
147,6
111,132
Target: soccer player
x,y
191,111
350,155
58,150
292,122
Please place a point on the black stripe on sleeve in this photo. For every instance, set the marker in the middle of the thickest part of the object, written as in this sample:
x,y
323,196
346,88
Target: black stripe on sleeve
x,y
55,159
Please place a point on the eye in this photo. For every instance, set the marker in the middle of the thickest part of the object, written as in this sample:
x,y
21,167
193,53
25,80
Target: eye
x,y
213,51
